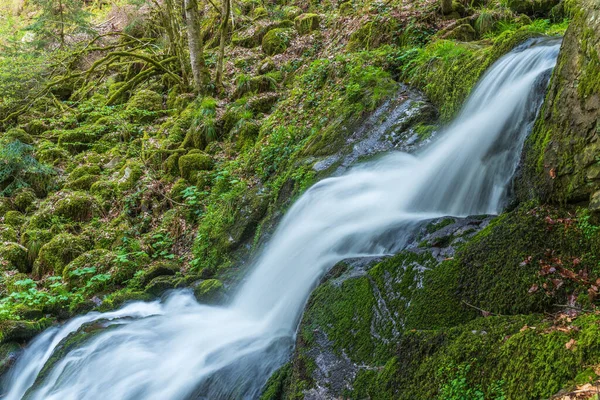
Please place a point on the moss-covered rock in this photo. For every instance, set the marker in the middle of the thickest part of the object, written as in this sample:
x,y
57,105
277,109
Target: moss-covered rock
x,y
24,198
13,256
372,34
192,163
7,233
276,41
17,134
209,291
130,175
79,271
562,153
21,331
160,268
14,218
55,255
462,33
253,36
307,23
77,206
160,284
83,183
532,7
80,139
145,100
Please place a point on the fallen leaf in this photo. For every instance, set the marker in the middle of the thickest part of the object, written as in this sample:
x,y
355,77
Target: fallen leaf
x,y
570,344
553,173
534,288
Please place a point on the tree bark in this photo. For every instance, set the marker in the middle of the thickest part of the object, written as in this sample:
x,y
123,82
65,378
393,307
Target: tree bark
x,y
224,30
446,7
199,71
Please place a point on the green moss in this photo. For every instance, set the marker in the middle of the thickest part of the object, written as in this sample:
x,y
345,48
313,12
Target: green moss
x,y
24,198
14,219
106,190
77,206
209,291
80,139
33,240
145,100
83,183
372,34
130,175
55,255
7,234
276,41
79,271
307,23
192,163
17,134
13,256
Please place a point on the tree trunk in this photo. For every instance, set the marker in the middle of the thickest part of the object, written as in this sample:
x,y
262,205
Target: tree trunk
x,y
199,71
224,30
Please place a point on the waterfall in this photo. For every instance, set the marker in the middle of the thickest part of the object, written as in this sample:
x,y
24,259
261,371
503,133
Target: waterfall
x,y
179,349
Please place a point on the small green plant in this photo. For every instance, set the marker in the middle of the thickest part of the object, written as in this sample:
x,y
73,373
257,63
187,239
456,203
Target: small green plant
x,y
457,386
192,198
162,244
588,229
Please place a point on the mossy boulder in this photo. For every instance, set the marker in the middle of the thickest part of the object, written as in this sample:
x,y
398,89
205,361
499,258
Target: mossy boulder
x,y
84,267
462,33
7,233
24,199
84,170
160,284
372,34
307,23
537,8
159,268
561,156
276,41
259,13
80,139
21,331
209,291
291,12
83,183
145,100
13,256
253,36
77,206
17,134
14,218
55,255
105,190
130,175
192,163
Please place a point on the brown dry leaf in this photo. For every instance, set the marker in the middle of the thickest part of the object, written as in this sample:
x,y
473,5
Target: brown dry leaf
x,y
553,173
570,344
534,288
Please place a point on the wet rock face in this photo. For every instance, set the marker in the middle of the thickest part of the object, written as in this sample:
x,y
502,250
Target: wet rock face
x,y
402,123
562,156
385,285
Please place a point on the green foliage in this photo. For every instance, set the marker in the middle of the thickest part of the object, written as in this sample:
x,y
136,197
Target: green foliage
x,y
17,84
59,18
19,168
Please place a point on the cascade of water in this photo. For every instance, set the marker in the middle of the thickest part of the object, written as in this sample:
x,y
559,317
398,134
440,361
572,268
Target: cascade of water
x,y
180,349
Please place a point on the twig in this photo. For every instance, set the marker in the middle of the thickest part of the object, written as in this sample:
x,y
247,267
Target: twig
x,y
484,312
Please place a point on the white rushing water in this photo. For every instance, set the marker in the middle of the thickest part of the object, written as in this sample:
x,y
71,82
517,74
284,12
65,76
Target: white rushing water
x,y
179,349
